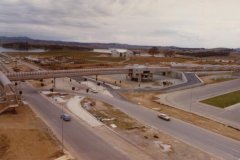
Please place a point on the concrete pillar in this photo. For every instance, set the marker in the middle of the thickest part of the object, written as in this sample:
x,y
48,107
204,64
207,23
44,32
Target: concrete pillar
x,y
139,77
54,82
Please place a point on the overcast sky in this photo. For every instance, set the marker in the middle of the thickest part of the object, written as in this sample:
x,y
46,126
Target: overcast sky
x,y
184,23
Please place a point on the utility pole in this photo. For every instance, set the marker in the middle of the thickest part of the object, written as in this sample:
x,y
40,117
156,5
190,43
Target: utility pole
x,y
191,98
62,129
54,82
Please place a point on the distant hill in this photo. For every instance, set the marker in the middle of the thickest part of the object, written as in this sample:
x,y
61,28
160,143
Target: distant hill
x,y
43,43
13,39
237,49
27,43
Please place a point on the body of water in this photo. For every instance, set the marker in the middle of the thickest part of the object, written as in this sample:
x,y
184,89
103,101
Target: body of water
x,y
14,50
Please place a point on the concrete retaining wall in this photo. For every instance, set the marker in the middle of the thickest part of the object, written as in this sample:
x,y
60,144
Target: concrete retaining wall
x,y
236,73
207,73
185,87
201,83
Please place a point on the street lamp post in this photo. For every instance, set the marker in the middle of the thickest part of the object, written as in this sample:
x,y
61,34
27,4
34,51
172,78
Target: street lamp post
x,y
191,98
62,128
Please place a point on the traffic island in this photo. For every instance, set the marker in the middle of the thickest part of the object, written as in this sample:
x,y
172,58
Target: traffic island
x,y
225,100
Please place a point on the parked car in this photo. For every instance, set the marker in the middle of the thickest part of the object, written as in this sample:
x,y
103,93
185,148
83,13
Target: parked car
x,y
65,117
164,117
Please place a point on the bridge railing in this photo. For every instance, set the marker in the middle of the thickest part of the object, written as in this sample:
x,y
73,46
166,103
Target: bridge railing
x,y
63,73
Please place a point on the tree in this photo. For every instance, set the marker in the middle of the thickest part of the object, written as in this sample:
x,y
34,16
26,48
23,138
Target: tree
x,y
169,53
153,51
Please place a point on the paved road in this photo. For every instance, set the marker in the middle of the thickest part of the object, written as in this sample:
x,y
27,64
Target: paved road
x,y
205,140
84,143
182,100
76,134
109,88
192,80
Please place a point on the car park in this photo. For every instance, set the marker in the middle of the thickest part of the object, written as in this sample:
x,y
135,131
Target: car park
x,y
164,117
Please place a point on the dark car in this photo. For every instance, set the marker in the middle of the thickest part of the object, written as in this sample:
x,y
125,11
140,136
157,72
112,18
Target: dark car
x,y
65,117
164,116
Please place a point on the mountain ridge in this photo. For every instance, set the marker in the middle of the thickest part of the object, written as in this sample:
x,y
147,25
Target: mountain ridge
x,y
25,39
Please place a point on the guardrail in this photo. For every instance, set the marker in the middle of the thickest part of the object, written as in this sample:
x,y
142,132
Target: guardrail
x,y
16,76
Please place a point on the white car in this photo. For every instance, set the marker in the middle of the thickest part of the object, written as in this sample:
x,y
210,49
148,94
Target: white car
x,y
93,91
164,117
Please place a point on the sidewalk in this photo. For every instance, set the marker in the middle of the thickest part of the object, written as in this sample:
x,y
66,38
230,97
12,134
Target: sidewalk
x,y
74,105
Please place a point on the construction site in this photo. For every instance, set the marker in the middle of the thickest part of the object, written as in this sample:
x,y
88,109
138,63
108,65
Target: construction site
x,y
138,84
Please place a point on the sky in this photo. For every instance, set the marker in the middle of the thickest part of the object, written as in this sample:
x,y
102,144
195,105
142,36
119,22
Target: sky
x,y
183,23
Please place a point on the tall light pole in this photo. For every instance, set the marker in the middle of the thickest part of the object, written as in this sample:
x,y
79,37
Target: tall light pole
x,y
191,98
62,128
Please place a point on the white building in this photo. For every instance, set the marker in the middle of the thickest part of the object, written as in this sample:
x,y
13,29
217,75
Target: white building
x,y
102,51
121,53
115,52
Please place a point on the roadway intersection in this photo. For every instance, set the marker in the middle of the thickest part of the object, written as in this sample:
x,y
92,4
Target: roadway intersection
x,y
189,100
77,136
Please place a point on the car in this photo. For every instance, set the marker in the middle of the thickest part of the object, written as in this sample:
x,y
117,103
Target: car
x,y
164,117
65,117
93,91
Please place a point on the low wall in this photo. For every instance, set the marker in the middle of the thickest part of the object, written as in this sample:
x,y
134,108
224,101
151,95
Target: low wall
x,y
184,87
184,78
236,73
207,73
178,75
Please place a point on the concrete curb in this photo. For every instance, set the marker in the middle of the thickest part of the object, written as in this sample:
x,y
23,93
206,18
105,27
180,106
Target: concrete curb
x,y
96,123
55,133
163,100
199,78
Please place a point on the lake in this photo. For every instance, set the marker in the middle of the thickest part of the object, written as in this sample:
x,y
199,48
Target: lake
x,y
14,50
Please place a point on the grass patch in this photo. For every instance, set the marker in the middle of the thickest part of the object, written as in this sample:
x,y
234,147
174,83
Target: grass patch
x,y
225,100
76,59
67,52
79,56
156,60
106,59
82,55
218,80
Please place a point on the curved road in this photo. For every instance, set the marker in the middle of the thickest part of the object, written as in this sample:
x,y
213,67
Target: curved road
x,y
205,140
183,100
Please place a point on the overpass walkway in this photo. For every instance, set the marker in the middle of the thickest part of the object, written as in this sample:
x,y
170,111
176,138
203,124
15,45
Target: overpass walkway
x,y
17,76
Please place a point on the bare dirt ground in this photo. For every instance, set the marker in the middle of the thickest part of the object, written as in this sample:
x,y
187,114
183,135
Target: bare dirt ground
x,y
19,68
41,84
110,80
157,60
210,80
147,100
151,141
23,136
